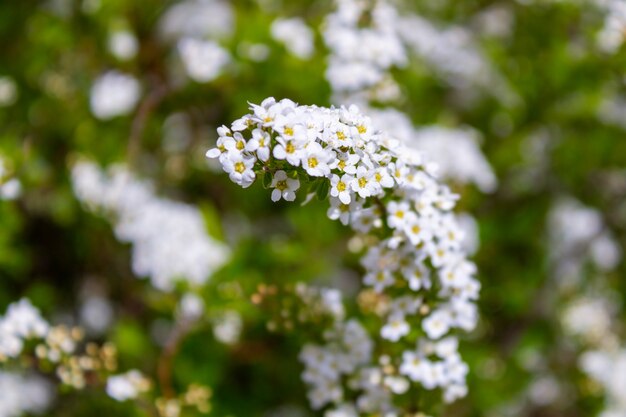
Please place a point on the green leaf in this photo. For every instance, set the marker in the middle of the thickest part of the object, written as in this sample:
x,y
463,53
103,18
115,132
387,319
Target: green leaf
x,y
322,189
267,180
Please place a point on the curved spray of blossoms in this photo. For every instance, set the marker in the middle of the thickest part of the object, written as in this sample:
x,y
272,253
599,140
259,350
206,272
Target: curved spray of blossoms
x,y
415,269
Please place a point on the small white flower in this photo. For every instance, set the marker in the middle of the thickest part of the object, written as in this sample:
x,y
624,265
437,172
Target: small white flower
x,y
289,149
437,324
362,184
203,60
284,187
395,328
379,280
340,187
126,386
339,210
260,143
315,160
382,177
114,94
413,365
398,214
417,230
346,162
239,168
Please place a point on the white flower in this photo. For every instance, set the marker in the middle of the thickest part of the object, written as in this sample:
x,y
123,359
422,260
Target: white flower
x,y
315,160
227,327
412,365
339,210
339,187
289,149
203,60
417,229
437,324
362,183
260,143
406,305
284,186
240,168
295,35
191,306
114,94
395,328
382,177
123,44
379,280
346,162
398,214
417,276
8,91
127,386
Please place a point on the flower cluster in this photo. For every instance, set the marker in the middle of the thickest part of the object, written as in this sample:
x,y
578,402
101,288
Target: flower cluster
x,y
56,346
415,267
169,238
362,54
21,322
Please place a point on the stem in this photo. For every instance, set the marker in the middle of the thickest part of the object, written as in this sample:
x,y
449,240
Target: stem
x,y
147,105
166,360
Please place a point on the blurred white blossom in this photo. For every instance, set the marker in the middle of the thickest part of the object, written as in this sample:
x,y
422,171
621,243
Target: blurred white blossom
x,y
203,60
23,393
123,44
8,91
114,94
198,19
295,35
127,386
227,327
169,238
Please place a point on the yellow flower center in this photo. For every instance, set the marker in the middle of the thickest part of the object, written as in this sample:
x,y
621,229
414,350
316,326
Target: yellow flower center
x,y
289,131
281,185
378,177
362,182
400,214
341,186
341,135
240,167
289,148
415,229
361,129
240,145
341,165
312,162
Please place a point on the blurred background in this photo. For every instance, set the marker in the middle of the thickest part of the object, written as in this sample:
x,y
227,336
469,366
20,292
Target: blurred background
x,y
521,103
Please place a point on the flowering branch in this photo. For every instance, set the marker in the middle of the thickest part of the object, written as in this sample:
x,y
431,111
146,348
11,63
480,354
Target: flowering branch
x,y
387,191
